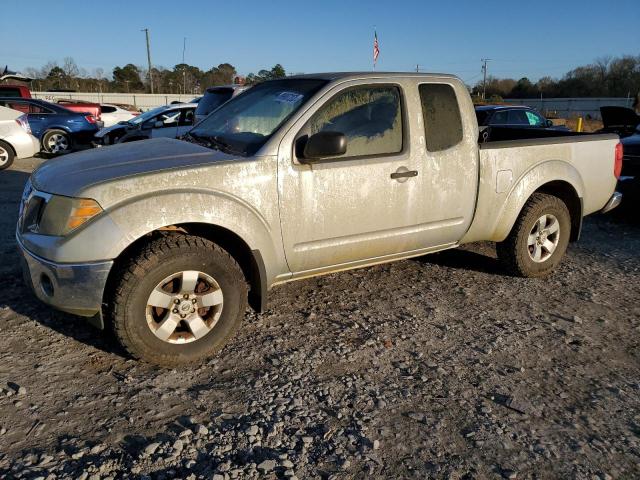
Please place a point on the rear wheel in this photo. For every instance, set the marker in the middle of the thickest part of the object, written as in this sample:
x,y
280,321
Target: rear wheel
x,y
56,142
6,155
539,238
178,300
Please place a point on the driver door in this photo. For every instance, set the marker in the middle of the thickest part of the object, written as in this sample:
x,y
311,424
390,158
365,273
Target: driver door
x,y
357,206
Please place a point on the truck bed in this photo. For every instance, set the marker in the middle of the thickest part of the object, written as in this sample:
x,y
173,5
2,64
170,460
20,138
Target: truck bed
x,y
512,161
501,134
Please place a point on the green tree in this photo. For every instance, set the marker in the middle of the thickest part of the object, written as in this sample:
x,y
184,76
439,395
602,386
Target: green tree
x,y
127,78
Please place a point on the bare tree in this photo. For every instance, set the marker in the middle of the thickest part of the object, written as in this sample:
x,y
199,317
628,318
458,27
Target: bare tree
x,y
70,68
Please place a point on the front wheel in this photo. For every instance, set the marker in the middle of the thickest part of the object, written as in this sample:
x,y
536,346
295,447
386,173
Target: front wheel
x,y
177,301
56,142
539,238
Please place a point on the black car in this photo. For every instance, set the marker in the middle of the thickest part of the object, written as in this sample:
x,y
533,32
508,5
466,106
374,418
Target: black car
x,y
626,123
513,116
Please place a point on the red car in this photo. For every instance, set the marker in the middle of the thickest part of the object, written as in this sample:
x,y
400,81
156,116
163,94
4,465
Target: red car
x,y
81,106
17,91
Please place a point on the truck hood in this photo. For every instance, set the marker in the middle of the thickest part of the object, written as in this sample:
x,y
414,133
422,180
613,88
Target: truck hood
x,y
73,173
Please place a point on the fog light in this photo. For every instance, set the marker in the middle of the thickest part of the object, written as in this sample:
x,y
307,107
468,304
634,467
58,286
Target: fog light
x,y
46,285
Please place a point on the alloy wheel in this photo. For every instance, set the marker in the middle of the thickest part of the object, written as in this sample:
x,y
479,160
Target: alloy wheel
x,y
184,307
543,238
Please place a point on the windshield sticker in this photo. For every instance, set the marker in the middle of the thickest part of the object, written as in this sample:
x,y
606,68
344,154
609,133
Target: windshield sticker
x,y
288,97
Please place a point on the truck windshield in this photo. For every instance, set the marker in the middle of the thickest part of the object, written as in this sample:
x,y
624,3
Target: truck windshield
x,y
245,123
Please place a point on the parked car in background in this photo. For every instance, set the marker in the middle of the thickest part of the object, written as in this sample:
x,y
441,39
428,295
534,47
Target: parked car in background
x,y
18,91
16,140
128,107
626,123
81,106
214,97
170,121
512,116
112,114
58,129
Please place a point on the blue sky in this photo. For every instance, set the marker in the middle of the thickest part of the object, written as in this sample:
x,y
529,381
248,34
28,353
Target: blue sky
x,y
523,38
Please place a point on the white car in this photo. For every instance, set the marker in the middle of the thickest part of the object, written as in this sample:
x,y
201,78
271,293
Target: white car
x,y
112,114
171,121
16,140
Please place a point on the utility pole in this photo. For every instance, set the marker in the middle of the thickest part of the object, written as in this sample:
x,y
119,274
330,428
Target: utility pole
x,y
184,71
146,31
417,68
484,81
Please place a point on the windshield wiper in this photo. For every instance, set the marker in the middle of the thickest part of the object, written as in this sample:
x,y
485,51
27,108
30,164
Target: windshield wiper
x,y
222,145
190,137
211,141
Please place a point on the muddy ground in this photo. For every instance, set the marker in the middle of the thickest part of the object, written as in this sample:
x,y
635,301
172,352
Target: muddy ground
x,y
438,367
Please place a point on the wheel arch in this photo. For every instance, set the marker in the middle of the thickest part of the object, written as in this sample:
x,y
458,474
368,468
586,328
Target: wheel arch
x,y
13,150
251,261
555,178
569,196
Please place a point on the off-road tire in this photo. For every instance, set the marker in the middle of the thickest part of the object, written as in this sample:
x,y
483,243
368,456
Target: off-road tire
x,y
136,278
8,156
513,252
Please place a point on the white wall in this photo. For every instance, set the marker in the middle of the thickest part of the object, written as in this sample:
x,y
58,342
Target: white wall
x,y
143,101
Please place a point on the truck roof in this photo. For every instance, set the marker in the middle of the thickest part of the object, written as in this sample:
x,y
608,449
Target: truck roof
x,y
357,75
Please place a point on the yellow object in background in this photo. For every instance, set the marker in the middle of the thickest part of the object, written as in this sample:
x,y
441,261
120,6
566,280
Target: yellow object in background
x,y
579,125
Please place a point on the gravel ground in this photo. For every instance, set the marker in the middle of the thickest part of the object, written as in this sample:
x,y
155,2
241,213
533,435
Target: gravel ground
x,y
439,367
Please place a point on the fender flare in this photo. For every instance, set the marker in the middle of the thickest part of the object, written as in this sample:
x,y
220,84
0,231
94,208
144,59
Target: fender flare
x,y
531,181
128,222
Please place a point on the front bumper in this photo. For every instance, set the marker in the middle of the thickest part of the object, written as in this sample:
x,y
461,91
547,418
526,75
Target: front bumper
x,y
613,202
72,288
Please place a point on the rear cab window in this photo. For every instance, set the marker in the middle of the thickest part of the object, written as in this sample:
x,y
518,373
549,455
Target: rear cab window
x,y
441,114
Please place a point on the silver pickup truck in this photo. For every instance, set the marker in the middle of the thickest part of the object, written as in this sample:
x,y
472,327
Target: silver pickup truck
x,y
166,241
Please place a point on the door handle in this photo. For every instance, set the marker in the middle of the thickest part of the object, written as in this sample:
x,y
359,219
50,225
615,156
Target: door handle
x,y
403,172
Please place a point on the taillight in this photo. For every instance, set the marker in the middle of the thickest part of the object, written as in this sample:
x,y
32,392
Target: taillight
x,y
23,121
91,119
617,166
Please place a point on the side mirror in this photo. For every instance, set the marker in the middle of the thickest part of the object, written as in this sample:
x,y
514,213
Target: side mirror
x,y
325,144
549,123
158,124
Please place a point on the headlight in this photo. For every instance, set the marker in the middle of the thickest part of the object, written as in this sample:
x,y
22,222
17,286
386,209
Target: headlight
x,y
62,215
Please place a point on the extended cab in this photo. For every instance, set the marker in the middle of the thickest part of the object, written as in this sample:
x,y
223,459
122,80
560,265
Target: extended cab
x,y
168,239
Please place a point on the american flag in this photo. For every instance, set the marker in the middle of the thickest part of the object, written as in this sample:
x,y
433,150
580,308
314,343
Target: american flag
x,y
376,48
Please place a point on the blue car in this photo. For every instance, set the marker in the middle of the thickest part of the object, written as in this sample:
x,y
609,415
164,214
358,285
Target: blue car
x,y
59,130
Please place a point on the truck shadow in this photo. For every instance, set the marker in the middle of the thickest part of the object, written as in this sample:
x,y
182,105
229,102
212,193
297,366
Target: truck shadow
x,y
26,304
465,260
